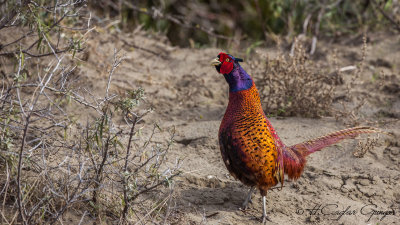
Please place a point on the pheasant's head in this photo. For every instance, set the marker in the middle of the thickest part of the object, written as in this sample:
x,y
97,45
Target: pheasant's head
x,y
234,74
225,63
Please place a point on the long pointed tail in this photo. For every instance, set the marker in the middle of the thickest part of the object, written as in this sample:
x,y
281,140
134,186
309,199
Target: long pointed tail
x,y
319,143
294,156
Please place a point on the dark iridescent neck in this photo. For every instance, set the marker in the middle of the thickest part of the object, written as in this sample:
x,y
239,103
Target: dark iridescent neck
x,y
238,79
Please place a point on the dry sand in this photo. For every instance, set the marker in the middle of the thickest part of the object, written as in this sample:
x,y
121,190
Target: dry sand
x,y
187,93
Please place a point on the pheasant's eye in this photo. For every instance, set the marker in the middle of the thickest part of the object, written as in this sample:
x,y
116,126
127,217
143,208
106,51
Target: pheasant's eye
x,y
227,59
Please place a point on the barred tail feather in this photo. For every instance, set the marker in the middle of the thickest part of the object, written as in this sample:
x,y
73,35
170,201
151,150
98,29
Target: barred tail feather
x,y
294,156
319,143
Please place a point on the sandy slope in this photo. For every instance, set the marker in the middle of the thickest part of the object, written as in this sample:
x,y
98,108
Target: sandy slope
x,y
187,93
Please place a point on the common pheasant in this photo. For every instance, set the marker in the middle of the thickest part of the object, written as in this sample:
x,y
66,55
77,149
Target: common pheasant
x,y
250,147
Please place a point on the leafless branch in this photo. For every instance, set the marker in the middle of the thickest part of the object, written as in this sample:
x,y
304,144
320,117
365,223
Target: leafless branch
x,y
158,14
389,18
317,26
117,60
128,149
53,162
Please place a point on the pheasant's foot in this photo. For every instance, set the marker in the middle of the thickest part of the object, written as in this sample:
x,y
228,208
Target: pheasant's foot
x,y
246,204
265,218
248,199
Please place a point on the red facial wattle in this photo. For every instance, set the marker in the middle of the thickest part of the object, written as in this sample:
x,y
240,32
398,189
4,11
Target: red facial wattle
x,y
226,63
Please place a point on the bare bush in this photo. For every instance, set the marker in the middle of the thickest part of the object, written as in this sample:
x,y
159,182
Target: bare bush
x,y
363,148
294,86
351,113
52,160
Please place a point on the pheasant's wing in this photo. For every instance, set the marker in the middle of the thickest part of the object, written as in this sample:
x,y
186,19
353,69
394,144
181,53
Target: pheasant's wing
x,y
234,156
258,149
279,148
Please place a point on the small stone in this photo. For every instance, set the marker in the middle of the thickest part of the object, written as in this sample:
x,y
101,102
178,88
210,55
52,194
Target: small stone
x,y
328,173
395,151
349,187
368,192
310,219
364,182
376,180
210,177
393,158
396,196
214,182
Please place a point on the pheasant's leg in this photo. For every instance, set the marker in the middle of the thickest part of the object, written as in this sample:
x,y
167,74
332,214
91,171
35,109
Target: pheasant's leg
x,y
264,216
248,198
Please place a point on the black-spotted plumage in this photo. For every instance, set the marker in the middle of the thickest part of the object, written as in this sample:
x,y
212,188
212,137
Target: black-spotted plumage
x,y
250,147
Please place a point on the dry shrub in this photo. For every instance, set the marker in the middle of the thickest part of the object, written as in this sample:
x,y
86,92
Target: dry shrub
x,y
350,102
363,148
64,147
294,86
53,161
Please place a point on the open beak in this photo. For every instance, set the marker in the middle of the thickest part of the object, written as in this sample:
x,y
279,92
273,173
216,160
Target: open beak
x,y
215,62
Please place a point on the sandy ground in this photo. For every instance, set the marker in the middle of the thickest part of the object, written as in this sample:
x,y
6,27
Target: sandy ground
x,y
187,93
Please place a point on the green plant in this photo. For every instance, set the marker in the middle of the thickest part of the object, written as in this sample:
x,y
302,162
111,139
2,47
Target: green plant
x,y
229,22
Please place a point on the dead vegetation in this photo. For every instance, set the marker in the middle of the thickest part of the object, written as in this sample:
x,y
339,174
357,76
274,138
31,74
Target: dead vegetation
x,y
295,86
53,161
109,164
363,148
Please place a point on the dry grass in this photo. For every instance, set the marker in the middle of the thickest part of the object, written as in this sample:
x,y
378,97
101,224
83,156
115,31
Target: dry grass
x,y
295,86
351,101
362,148
51,159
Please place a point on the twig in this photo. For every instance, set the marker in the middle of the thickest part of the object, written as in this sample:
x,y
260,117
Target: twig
x,y
4,217
16,40
105,149
152,210
316,32
125,182
347,68
19,168
39,55
116,63
144,49
151,187
168,211
157,14
389,18
83,216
